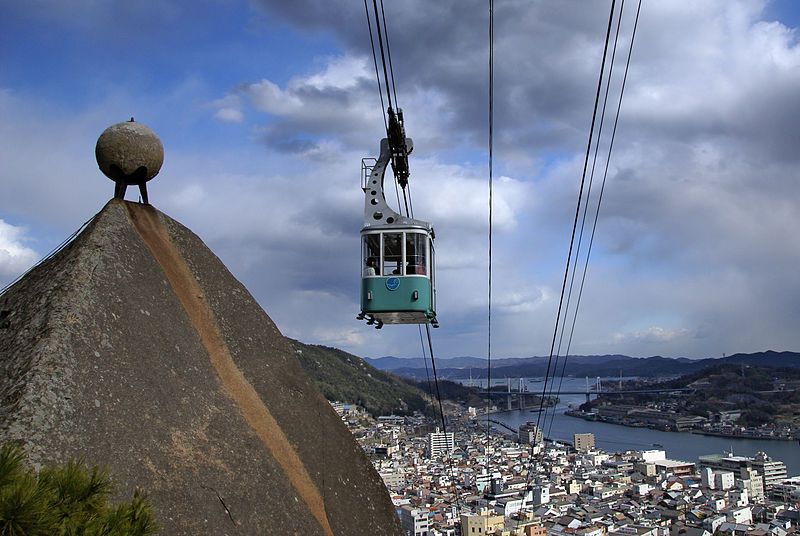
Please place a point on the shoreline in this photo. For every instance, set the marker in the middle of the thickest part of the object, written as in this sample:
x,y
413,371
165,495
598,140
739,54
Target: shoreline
x,y
597,418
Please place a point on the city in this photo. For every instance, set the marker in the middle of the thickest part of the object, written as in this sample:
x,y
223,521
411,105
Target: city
x,y
446,484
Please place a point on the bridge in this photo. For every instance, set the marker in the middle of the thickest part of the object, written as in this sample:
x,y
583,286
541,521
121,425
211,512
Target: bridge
x,y
521,392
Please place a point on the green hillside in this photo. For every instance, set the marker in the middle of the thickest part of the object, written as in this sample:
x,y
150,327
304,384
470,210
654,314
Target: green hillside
x,y
348,378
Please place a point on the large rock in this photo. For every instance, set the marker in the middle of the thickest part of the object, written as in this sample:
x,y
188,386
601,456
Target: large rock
x,y
135,348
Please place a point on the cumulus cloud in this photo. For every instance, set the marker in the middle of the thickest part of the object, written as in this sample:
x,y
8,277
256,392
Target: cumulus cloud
x,y
15,256
693,253
655,334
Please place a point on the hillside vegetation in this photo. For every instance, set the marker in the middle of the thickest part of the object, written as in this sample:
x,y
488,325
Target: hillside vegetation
x,y
345,377
765,395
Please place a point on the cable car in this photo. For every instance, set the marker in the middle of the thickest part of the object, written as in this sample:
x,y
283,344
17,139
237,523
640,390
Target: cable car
x,y
397,256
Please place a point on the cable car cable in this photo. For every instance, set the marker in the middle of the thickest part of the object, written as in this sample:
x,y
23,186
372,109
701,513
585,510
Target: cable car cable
x,y
397,193
574,228
383,54
602,187
577,212
410,202
441,413
375,61
389,53
583,222
427,375
491,204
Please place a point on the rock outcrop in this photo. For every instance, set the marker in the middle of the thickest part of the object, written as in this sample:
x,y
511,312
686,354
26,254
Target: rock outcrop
x,y
135,348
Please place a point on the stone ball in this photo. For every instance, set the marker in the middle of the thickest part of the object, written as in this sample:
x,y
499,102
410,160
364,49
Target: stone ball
x,y
129,146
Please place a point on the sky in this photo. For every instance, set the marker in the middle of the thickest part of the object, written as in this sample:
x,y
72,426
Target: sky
x,y
266,107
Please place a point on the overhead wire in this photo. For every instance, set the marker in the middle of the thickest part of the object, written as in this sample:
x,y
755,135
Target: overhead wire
x,y
583,225
572,237
408,203
491,205
375,61
603,183
427,374
443,420
389,53
383,54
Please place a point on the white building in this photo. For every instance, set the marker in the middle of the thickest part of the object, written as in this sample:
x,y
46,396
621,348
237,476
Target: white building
x,y
650,456
773,471
541,495
724,480
440,443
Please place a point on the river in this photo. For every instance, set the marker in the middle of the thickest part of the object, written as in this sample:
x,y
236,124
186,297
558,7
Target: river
x,y
614,437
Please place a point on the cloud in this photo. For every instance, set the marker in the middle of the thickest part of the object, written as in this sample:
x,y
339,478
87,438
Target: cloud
x,y
15,256
694,245
228,109
653,334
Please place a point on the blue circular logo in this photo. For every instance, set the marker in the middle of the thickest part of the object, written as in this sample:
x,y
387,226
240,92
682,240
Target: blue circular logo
x,y
393,283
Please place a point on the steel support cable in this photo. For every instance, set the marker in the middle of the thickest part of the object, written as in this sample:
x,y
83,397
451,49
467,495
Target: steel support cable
x,y
583,225
577,212
444,422
389,53
375,61
383,54
491,204
397,193
603,183
405,200
427,374
410,202
574,228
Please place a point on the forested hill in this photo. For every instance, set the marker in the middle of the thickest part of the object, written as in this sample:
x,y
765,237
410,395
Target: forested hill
x,y
347,378
600,365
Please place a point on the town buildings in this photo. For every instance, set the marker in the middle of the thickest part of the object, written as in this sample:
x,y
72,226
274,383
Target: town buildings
x,y
468,483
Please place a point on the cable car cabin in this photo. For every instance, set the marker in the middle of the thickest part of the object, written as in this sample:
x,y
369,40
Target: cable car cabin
x,y
397,284
397,258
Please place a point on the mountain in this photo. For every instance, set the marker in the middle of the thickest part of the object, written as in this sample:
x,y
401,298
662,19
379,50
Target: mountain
x,y
390,363
136,349
348,378
601,365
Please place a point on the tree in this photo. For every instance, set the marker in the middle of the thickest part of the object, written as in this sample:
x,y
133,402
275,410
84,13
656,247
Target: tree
x,y
65,501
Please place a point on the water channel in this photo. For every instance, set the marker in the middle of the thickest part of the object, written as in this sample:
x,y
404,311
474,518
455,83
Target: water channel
x,y
614,437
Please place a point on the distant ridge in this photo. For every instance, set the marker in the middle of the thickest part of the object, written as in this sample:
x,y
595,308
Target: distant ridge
x,y
579,365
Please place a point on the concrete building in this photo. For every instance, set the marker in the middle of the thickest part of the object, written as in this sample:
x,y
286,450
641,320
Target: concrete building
x,y
753,483
541,495
415,521
707,478
583,442
772,471
393,479
723,480
440,443
535,530
650,456
481,523
530,433
675,467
